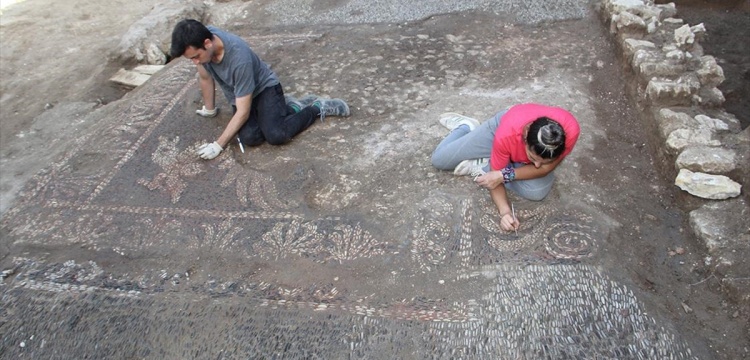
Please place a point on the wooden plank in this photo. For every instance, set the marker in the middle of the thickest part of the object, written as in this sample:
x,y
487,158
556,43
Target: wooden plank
x,y
129,78
148,69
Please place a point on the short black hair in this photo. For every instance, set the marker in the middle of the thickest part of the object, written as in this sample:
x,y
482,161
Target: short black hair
x,y
546,138
187,33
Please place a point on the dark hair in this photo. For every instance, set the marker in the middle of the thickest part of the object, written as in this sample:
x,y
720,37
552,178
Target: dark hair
x,y
187,33
546,138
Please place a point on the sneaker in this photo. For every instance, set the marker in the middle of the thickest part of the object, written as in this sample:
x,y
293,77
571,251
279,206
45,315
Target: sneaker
x,y
292,102
472,167
331,107
307,100
453,120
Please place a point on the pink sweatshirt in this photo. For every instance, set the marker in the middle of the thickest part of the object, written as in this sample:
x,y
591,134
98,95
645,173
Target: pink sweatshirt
x,y
509,145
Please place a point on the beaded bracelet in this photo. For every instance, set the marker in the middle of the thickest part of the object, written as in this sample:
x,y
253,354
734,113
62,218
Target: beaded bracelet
x,y
509,173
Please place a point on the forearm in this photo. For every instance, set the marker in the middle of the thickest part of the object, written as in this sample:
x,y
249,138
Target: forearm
x,y
529,171
238,119
208,92
234,126
500,198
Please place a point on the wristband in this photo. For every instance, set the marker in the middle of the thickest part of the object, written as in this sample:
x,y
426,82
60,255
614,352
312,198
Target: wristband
x,y
509,173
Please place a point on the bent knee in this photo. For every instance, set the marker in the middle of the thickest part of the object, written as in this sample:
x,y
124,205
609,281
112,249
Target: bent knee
x,y
440,163
277,140
533,194
536,197
251,141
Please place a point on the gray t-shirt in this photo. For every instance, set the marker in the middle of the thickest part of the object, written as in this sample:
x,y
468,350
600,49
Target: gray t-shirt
x,y
241,71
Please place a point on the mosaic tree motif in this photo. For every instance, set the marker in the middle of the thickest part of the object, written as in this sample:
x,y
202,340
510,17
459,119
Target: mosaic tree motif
x,y
287,239
69,186
251,186
37,225
221,237
348,242
432,231
176,166
133,123
87,229
135,120
150,231
427,245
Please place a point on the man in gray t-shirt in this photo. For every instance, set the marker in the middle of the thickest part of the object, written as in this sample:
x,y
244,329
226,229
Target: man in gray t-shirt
x,y
260,111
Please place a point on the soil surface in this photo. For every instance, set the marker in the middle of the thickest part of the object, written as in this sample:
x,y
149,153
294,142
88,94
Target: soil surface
x,y
54,59
59,76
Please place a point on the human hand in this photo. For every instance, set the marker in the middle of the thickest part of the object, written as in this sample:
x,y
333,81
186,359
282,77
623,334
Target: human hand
x,y
209,151
489,180
509,223
206,112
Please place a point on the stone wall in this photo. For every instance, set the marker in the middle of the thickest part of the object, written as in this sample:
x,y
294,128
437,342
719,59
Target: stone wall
x,y
148,39
696,141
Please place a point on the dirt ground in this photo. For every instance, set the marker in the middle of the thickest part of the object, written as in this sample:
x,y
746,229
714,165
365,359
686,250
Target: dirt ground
x,y
59,74
54,59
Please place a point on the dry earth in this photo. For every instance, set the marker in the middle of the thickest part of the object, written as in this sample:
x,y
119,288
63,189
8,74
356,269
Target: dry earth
x,y
54,64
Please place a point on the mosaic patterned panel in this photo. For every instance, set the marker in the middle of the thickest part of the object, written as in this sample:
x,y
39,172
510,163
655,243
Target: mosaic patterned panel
x,y
448,283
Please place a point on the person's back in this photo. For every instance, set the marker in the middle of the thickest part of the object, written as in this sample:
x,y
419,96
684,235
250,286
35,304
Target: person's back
x,y
241,71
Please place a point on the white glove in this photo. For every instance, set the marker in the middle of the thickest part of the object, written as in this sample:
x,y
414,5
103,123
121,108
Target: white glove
x,y
209,151
207,113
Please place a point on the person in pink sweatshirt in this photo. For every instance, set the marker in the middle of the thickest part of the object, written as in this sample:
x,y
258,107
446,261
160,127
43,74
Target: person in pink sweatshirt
x,y
517,149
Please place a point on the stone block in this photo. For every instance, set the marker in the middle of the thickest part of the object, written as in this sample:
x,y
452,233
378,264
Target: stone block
x,y
699,31
645,55
707,186
679,139
683,37
148,39
669,121
715,125
630,46
618,6
155,55
713,160
734,124
671,92
722,224
710,74
628,23
649,70
709,97
667,11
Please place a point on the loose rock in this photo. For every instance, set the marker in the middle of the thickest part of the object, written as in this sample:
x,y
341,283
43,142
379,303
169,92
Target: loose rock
x,y
707,186
714,160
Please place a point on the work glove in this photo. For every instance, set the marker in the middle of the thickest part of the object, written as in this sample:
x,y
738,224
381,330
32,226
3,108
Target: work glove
x,y
207,113
209,151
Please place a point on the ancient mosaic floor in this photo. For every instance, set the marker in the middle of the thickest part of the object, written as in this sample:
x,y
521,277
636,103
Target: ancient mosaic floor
x,y
317,258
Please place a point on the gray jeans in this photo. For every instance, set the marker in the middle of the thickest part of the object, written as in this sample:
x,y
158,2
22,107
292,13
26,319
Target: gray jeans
x,y
462,144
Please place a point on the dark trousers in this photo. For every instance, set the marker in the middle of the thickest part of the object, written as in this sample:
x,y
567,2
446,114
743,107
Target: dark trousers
x,y
272,121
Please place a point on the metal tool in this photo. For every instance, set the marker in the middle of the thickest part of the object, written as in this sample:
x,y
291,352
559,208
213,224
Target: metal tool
x,y
513,210
242,148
